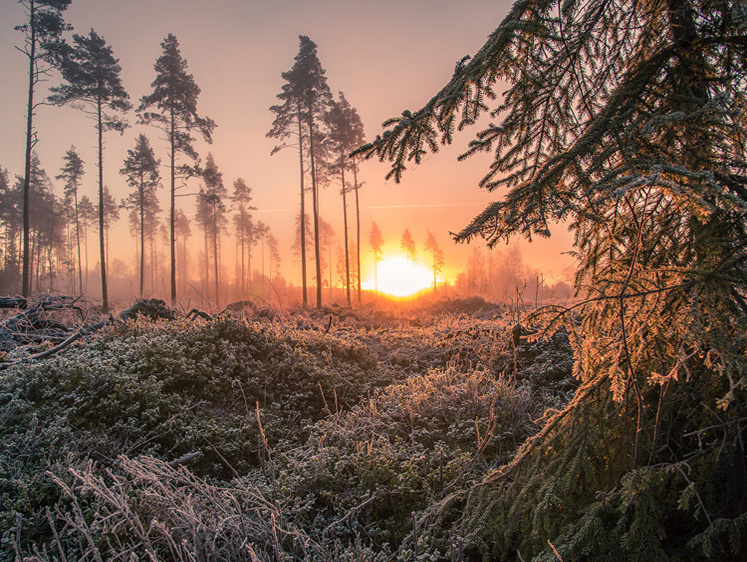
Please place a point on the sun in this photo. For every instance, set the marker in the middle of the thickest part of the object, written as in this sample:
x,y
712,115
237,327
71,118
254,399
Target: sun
x,y
399,277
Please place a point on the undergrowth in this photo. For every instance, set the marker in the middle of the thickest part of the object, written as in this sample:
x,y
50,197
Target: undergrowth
x,y
246,439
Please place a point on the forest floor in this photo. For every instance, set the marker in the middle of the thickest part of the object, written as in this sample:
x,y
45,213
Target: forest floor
x,y
258,434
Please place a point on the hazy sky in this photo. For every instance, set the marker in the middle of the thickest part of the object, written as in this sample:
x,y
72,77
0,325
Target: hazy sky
x,y
385,55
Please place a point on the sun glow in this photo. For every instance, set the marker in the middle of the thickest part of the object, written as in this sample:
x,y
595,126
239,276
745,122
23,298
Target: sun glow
x,y
399,277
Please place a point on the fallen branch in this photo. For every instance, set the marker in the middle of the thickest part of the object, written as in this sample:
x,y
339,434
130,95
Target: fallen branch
x,y
59,347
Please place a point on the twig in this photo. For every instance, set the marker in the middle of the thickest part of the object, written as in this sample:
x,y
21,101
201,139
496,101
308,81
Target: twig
x,y
710,427
184,459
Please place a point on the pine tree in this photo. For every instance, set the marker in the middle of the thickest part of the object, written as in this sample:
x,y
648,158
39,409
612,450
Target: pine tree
x,y
242,197
326,239
183,233
141,169
174,98
345,134
111,215
626,121
408,245
437,255
214,210
88,216
305,97
72,172
10,219
91,75
43,47
376,242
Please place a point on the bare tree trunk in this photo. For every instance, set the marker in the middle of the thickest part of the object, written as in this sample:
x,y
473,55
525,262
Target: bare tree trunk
x,y
215,254
345,230
26,268
142,238
77,236
102,241
172,212
303,215
357,229
315,197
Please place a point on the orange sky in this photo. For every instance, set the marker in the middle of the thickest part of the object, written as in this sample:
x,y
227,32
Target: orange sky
x,y
385,56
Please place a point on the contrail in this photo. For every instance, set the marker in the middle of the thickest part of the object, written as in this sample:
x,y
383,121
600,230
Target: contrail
x,y
423,206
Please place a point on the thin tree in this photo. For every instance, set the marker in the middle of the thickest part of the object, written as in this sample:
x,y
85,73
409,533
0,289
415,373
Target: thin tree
x,y
91,75
72,172
345,133
183,232
111,215
141,169
408,245
43,47
305,97
174,99
376,241
203,220
88,217
242,198
261,231
273,247
213,197
327,237
437,255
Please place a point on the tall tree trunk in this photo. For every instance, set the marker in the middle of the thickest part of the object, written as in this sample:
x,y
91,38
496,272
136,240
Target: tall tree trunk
x,y
102,241
303,213
315,198
215,254
345,230
172,211
142,237
206,283
77,237
26,268
357,229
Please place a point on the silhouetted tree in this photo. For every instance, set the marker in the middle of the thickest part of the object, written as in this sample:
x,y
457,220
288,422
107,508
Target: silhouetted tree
x,y
43,47
174,98
437,256
305,96
213,213
88,216
141,170
326,239
261,231
46,226
408,245
183,232
241,198
273,247
304,236
376,241
72,172
91,75
345,133
111,215
10,219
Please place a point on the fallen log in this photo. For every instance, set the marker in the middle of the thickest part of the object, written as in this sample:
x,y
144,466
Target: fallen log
x,y
13,302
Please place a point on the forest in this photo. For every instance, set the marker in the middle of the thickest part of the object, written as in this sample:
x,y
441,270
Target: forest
x,y
499,416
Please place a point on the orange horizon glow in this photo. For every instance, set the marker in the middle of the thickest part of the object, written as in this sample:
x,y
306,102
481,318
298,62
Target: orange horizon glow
x,y
399,277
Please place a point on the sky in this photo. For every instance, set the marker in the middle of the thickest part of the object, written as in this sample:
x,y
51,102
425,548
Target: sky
x,y
385,56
